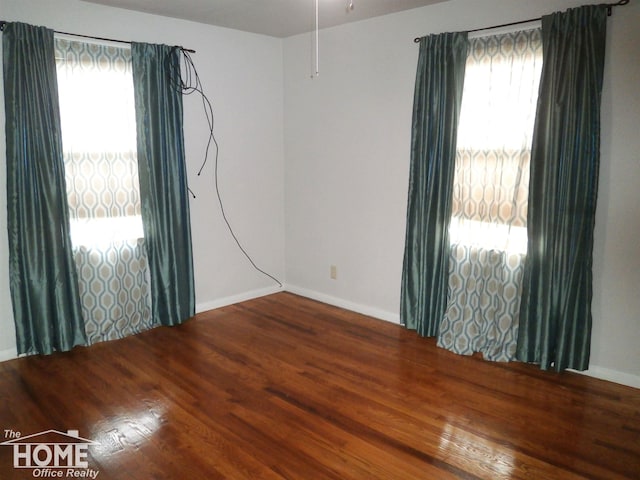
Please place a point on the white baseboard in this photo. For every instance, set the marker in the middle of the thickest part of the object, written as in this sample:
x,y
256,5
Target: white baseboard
x,y
610,375
595,371
8,354
346,304
223,302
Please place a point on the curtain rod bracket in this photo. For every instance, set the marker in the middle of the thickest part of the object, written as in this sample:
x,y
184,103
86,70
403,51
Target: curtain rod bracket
x,y
616,4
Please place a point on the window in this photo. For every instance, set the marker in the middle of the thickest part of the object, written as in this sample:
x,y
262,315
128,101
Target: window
x,y
488,229
494,141
97,112
95,89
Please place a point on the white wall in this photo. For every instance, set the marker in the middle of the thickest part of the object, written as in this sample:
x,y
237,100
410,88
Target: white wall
x,y
616,303
347,138
242,74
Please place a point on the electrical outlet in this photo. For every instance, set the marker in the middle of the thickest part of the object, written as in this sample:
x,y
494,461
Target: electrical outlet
x,y
333,272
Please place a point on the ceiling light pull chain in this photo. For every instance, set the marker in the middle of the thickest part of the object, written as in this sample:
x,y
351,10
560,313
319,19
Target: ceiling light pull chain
x,y
315,54
316,43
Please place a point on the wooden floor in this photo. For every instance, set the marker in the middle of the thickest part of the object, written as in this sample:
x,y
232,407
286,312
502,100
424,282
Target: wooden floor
x,y
285,387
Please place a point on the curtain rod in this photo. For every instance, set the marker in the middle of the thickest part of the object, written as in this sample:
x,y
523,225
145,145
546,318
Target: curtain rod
x,y
3,23
608,5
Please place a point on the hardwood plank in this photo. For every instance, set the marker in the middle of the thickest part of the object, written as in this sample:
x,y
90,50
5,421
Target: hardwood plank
x,y
285,387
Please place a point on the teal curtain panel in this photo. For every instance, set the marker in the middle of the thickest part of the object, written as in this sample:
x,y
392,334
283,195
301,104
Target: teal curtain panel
x,y
163,182
436,109
555,315
43,281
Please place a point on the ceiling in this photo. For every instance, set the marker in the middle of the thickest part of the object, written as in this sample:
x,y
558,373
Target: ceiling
x,y
277,18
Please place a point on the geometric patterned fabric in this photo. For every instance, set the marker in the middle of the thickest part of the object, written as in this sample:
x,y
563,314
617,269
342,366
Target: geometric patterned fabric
x,y
114,288
101,171
489,206
483,302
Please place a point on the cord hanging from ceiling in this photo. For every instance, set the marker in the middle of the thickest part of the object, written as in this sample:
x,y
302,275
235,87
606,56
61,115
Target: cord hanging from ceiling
x,y
316,46
315,56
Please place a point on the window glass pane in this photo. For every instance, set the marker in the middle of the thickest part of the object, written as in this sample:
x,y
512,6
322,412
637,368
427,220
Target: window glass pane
x,y
494,141
99,141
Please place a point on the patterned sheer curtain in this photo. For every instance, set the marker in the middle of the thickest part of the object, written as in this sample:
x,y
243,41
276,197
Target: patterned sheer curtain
x,y
488,231
101,170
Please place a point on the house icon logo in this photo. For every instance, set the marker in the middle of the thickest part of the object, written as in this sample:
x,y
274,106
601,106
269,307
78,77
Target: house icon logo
x,y
49,450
